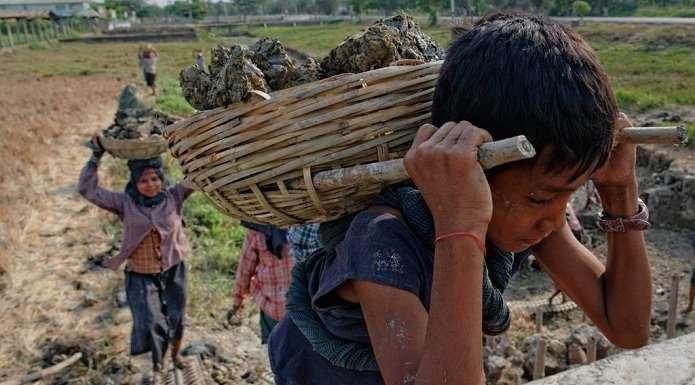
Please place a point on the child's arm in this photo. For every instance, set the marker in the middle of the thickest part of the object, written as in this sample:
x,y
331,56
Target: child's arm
x,y
88,187
617,297
445,346
248,260
181,192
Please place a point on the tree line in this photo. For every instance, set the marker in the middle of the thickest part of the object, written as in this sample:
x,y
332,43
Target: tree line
x,y
200,8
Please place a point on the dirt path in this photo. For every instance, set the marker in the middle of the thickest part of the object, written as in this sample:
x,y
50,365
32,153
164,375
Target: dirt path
x,y
51,295
55,301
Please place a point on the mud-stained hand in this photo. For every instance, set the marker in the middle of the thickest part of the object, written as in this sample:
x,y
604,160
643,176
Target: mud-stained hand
x,y
443,163
619,171
96,140
233,313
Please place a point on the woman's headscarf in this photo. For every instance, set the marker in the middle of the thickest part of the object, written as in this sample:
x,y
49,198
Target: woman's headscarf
x,y
137,168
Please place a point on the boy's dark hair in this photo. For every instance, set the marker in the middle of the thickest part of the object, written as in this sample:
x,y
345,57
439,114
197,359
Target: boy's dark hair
x,y
516,74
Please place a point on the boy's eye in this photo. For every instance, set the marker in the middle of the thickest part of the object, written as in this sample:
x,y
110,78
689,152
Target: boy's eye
x,y
539,201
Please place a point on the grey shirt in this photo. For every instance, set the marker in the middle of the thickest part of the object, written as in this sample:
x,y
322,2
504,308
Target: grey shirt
x,y
149,64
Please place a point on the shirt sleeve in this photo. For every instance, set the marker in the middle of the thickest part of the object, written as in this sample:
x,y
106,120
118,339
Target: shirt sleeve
x,y
181,193
88,187
248,260
381,249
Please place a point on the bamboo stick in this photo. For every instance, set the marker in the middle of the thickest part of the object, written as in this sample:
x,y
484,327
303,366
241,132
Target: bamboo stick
x,y
539,363
539,320
672,307
591,349
661,135
491,154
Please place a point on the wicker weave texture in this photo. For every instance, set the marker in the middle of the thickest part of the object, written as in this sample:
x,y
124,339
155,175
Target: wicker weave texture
x,y
255,160
144,148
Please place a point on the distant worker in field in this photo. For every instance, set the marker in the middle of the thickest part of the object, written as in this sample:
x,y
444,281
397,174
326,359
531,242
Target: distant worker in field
x,y
199,59
403,291
153,248
264,272
147,58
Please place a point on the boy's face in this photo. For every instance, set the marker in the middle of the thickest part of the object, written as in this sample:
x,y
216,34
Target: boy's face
x,y
528,203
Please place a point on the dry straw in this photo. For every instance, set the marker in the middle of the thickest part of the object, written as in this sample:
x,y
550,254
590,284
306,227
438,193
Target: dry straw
x,y
255,160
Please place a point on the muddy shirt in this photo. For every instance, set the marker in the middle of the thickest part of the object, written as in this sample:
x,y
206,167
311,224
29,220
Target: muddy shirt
x,y
378,248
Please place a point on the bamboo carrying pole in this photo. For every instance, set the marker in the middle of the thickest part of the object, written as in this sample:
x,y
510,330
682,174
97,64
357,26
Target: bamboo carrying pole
x,y
490,155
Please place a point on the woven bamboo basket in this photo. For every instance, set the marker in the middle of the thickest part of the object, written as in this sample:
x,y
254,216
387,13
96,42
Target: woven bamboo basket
x,y
322,150
142,148
255,159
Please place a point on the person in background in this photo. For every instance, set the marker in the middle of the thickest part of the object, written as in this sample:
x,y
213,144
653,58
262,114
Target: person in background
x,y
147,58
153,248
264,271
199,59
304,241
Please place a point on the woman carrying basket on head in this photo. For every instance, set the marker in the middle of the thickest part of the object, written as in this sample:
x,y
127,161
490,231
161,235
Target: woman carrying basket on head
x,y
153,248
147,58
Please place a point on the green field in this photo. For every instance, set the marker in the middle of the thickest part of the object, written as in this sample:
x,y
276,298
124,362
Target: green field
x,y
652,68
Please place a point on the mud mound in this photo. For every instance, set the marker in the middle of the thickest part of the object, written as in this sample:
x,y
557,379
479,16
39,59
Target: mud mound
x,y
388,40
265,66
232,76
133,119
268,66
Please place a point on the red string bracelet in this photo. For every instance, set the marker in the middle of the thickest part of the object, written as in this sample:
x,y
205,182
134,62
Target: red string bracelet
x,y
476,237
